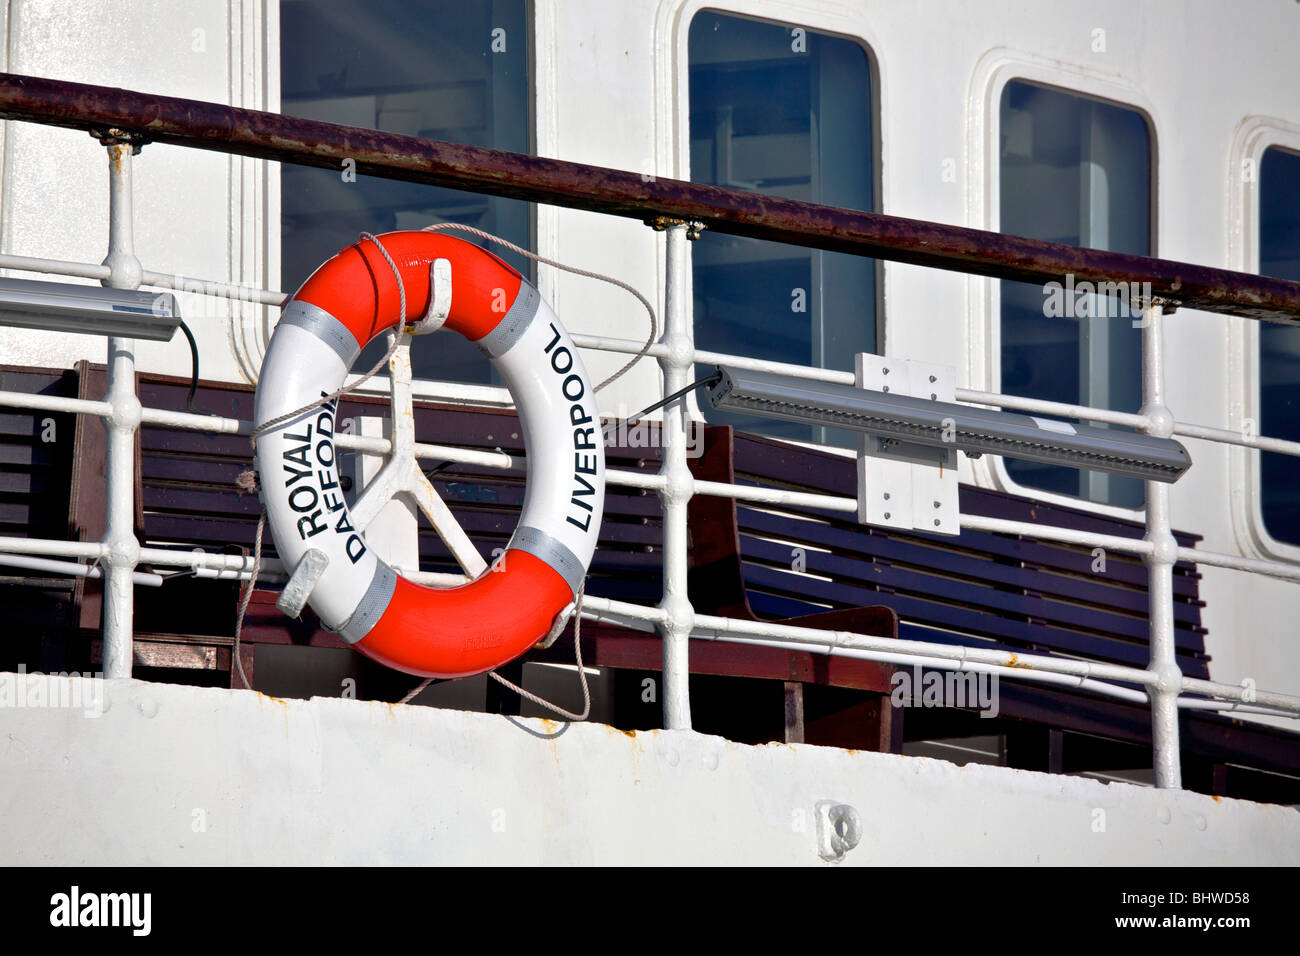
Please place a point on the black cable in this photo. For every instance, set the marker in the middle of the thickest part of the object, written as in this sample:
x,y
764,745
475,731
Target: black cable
x,y
194,369
699,383
437,468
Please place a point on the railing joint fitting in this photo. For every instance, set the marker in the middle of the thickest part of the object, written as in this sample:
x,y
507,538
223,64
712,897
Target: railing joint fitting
x,y
1168,304
1169,679
1160,420
111,136
1164,549
693,226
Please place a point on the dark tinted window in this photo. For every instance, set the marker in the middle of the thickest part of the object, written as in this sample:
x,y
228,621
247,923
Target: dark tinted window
x,y
783,111
1279,345
1073,170
440,69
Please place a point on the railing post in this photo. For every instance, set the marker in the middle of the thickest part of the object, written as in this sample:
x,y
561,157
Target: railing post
x,y
1160,562
677,364
122,548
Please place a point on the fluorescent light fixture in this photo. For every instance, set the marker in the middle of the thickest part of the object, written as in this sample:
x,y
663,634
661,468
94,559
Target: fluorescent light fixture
x,y
62,307
932,424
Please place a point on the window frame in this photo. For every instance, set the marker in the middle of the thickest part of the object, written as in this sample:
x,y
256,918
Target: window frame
x,y
994,71
1255,136
681,13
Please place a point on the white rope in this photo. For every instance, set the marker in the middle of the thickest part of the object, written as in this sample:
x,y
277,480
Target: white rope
x,y
247,596
582,674
654,321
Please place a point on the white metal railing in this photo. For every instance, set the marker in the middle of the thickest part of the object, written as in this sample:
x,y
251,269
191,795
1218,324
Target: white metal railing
x,y
1160,684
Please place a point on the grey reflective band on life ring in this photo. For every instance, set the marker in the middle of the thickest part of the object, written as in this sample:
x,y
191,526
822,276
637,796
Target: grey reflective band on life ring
x,y
372,606
509,330
545,548
313,319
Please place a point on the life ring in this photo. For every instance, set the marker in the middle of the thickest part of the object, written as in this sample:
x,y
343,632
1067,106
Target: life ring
x,y
342,307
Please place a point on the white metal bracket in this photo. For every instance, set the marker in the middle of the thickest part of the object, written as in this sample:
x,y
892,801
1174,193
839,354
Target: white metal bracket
x,y
902,484
439,300
301,583
557,626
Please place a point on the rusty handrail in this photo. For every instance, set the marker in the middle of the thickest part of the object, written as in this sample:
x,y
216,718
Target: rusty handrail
x,y
166,119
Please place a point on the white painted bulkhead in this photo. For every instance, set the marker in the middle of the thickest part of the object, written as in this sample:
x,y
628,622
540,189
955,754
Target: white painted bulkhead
x,y
200,776
609,88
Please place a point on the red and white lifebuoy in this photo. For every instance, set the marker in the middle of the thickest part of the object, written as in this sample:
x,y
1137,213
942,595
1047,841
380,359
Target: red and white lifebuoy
x,y
433,632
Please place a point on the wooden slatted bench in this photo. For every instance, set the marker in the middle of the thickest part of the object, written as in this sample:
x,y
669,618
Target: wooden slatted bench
x,y
1008,591
36,460
1013,592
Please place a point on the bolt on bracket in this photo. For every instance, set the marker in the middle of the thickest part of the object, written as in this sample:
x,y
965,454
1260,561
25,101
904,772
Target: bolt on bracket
x,y
839,830
904,484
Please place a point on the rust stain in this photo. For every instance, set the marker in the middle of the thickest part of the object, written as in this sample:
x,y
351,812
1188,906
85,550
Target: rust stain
x,y
1015,661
